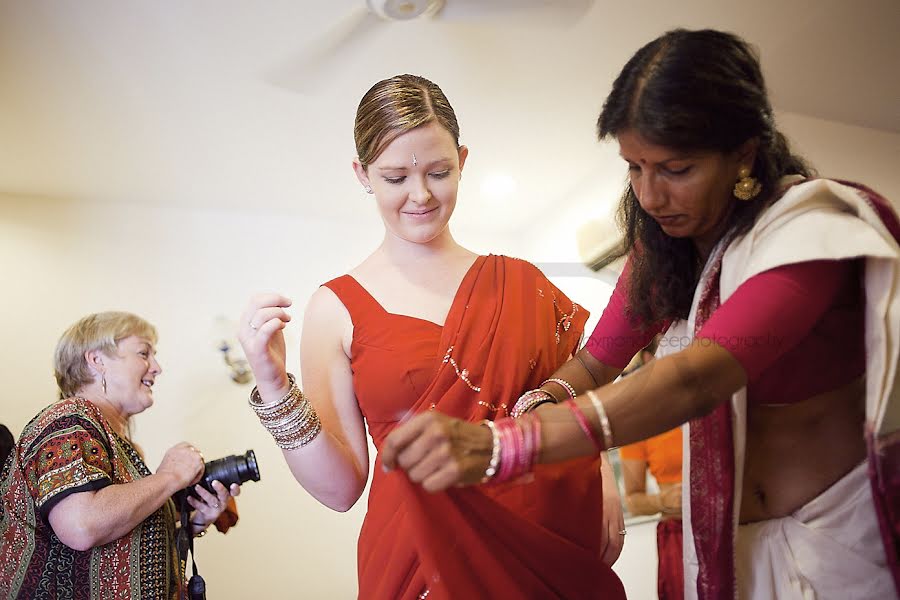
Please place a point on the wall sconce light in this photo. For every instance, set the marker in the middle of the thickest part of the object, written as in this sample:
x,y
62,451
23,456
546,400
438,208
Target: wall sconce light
x,y
240,368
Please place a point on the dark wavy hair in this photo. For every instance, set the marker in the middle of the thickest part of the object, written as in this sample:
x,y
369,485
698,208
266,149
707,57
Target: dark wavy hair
x,y
690,90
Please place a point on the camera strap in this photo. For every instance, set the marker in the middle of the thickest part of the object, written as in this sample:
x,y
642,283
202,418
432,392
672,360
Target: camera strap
x,y
196,587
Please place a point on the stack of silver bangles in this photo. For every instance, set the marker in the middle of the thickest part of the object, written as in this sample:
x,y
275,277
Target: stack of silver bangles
x,y
292,420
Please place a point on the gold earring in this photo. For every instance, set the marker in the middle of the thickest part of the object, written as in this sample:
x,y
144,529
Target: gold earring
x,y
103,383
747,188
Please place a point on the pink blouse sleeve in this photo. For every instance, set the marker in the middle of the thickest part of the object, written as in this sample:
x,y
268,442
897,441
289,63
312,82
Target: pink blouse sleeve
x,y
616,337
772,312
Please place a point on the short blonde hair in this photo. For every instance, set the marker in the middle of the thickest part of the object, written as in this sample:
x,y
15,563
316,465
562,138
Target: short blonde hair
x,y
99,331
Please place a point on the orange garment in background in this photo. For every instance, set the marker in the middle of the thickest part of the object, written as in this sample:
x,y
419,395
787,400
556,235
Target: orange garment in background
x,y
508,329
229,516
662,453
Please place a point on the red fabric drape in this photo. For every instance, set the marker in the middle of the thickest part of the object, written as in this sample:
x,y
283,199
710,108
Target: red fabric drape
x,y
670,577
508,329
712,477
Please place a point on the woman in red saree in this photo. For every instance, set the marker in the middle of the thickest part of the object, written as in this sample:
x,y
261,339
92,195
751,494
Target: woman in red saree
x,y
780,297
425,325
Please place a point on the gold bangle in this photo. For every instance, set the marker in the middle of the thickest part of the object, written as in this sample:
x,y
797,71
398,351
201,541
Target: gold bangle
x,y
494,463
292,421
256,400
604,420
561,383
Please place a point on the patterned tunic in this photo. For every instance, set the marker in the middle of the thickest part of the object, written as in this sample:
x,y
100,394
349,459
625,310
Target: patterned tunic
x,y
67,448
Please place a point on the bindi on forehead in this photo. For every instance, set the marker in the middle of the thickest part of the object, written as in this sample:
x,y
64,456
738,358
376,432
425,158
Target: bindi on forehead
x,y
442,161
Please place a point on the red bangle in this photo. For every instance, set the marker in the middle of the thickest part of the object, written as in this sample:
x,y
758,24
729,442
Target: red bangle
x,y
531,428
583,423
525,458
536,440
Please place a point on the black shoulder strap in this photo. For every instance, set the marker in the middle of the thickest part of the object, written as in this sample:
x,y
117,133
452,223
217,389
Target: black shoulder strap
x,y
184,543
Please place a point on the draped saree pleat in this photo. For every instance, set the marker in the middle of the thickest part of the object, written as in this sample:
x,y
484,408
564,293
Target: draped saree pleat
x,y
508,329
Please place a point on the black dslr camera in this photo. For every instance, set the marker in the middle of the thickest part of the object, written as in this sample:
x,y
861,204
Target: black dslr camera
x,y
231,469
228,470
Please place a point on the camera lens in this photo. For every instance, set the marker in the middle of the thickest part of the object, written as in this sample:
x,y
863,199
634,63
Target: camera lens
x,y
231,469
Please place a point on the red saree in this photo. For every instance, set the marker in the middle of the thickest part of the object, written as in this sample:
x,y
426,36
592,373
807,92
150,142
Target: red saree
x,y
508,329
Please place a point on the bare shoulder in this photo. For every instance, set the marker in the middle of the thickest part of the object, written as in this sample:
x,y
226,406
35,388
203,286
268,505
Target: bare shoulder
x,y
324,303
326,320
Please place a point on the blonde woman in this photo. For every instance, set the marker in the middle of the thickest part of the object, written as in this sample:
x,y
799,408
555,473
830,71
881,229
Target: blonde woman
x,y
82,514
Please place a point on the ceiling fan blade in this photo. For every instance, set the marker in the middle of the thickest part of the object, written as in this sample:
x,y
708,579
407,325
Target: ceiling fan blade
x,y
553,13
327,52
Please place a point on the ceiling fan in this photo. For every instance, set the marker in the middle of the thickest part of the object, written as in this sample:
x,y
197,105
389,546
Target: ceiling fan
x,y
350,33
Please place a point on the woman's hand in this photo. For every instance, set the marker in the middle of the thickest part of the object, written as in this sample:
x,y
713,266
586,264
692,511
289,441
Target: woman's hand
x,y
210,505
184,463
439,451
670,499
613,517
261,337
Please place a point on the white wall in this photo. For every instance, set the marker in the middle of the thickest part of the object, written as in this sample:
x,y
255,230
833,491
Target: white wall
x,y
638,564
841,151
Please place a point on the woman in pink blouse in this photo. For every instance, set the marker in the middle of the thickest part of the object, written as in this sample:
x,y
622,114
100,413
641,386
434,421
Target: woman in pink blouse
x,y
777,296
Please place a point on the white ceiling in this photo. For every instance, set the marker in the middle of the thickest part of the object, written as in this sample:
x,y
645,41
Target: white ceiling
x,y
199,102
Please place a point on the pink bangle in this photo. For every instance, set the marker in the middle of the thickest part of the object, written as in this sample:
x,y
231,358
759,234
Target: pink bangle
x,y
527,452
583,423
532,426
517,449
508,454
536,446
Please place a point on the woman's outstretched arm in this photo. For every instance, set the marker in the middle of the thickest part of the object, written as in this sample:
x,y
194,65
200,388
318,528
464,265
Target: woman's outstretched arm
x,y
334,466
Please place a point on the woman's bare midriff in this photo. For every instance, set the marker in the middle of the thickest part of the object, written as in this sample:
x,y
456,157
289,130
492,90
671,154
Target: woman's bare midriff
x,y
797,451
